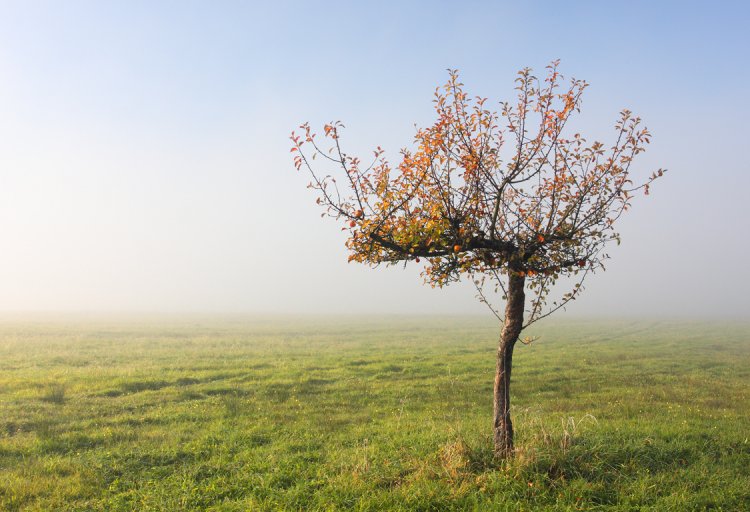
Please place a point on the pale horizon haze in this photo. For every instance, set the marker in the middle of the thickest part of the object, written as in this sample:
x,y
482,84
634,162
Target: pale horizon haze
x,y
145,165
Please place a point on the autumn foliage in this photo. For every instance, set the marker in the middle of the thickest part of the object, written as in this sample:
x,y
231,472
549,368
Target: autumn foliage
x,y
485,193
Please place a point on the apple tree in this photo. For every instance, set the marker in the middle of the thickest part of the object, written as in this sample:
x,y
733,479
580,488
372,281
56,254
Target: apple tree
x,y
505,198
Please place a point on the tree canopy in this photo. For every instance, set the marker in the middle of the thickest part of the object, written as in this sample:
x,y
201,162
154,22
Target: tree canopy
x,y
485,193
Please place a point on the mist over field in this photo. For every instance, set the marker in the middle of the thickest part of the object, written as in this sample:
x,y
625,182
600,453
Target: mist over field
x,y
145,166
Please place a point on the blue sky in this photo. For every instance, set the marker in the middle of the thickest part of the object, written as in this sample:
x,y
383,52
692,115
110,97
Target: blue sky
x,y
144,158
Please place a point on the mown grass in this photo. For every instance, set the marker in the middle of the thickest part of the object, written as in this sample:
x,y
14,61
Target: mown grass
x,y
370,414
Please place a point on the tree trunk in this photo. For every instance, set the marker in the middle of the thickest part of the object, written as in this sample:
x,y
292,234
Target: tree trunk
x,y
503,427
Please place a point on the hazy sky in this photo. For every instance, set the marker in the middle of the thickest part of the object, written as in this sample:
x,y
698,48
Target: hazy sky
x,y
145,166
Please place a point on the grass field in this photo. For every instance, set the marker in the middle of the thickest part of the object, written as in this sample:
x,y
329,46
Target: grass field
x,y
370,414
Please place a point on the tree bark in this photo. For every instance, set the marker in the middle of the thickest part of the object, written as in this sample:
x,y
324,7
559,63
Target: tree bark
x,y
514,307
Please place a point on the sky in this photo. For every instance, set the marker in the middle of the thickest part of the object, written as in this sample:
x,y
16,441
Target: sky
x,y
145,165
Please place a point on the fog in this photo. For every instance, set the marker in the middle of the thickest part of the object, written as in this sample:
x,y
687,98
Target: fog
x,y
145,166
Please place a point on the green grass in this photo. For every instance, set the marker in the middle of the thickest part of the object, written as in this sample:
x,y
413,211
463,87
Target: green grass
x,y
370,414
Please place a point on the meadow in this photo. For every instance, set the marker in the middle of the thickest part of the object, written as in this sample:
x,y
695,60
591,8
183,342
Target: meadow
x,y
375,413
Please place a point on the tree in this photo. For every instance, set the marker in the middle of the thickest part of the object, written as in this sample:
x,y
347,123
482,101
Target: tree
x,y
504,199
